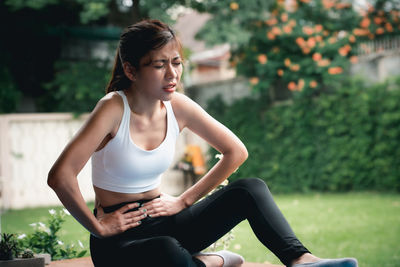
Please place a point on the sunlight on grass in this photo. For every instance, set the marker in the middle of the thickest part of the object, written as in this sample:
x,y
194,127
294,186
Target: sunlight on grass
x,y
361,225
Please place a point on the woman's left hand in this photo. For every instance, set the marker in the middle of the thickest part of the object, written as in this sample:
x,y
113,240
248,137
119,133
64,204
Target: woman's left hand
x,y
165,205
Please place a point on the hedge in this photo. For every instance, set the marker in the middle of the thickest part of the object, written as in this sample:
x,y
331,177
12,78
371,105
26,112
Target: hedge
x,y
348,139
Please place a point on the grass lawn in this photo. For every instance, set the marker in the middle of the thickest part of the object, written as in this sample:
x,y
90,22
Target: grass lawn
x,y
361,225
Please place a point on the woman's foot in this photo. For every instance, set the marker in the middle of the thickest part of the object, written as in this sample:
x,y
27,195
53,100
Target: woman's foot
x,y
306,258
309,260
221,258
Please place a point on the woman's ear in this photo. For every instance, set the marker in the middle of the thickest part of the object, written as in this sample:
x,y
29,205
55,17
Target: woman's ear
x,y
129,71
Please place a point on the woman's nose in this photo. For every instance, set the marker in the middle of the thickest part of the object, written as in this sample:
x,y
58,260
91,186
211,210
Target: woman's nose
x,y
171,72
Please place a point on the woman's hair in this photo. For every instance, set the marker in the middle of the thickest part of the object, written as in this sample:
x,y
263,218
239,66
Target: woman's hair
x,y
137,41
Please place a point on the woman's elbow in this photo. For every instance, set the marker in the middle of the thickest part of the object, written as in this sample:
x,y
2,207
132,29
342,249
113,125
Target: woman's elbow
x,y
54,178
242,153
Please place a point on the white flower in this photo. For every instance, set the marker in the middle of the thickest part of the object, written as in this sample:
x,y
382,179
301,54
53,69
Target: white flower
x,y
41,224
66,212
60,242
219,156
21,236
237,246
52,211
80,243
33,224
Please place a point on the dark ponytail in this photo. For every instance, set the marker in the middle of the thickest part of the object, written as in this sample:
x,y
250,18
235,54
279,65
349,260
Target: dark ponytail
x,y
135,42
118,80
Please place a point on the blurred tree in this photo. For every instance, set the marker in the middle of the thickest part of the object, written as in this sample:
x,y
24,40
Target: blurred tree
x,y
296,45
34,32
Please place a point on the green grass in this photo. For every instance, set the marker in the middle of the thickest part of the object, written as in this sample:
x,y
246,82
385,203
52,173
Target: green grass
x,y
361,225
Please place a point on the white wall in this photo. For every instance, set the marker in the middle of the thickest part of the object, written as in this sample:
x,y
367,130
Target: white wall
x,y
30,144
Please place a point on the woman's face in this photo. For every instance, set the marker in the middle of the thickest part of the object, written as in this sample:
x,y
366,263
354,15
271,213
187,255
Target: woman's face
x,y
160,72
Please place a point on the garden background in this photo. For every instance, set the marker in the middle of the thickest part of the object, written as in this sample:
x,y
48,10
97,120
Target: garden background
x,y
313,123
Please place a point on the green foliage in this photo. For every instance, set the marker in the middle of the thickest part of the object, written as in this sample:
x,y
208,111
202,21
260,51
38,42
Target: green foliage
x,y
77,86
300,45
8,247
45,239
9,96
345,140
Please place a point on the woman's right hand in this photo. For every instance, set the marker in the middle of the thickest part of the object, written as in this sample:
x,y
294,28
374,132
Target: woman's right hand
x,y
120,220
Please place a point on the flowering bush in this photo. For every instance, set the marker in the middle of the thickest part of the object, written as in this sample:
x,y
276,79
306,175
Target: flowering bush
x,y
302,46
44,239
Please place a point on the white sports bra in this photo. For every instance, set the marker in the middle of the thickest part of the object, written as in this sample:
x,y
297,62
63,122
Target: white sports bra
x,y
121,166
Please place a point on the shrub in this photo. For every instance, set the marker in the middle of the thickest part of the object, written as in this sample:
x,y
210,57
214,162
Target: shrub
x,y
345,140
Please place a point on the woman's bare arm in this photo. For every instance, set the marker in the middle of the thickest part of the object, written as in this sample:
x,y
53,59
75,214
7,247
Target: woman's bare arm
x,y
234,152
62,177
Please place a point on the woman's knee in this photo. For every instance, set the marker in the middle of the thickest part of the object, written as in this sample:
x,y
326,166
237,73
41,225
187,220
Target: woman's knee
x,y
250,184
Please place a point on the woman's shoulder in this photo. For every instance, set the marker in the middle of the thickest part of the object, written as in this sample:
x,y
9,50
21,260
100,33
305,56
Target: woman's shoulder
x,y
111,102
185,108
108,111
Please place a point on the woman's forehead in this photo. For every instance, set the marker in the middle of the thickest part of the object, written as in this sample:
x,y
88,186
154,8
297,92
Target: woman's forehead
x,y
170,50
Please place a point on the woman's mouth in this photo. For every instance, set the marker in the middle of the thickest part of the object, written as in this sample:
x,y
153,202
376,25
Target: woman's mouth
x,y
170,87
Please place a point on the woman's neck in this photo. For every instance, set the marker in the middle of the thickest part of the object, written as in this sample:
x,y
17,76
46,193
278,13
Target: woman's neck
x,y
141,104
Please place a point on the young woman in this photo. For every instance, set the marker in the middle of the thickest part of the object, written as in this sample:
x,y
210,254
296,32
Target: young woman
x,y
130,137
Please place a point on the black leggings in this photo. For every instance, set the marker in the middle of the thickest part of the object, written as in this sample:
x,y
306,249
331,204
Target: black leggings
x,y
171,240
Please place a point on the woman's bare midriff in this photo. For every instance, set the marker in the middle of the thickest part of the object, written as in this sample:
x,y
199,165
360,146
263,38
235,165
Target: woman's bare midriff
x,y
107,198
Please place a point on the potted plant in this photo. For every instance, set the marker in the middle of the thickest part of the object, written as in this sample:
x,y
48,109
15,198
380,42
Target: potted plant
x,y
9,252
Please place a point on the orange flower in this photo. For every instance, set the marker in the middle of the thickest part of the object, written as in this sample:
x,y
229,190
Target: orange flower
x,y
342,5
262,58
306,50
300,41
271,36
389,27
378,20
365,22
325,32
353,59
280,72
292,86
311,42
284,17
254,80
234,6
301,85
335,70
318,28
287,62
343,51
305,1
332,40
271,21
308,30
313,84
352,39
276,30
292,22
287,29
318,38
317,56
295,67
328,4
360,32
380,30
324,62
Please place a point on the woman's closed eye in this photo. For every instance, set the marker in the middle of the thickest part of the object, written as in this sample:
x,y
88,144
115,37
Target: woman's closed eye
x,y
178,63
